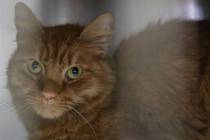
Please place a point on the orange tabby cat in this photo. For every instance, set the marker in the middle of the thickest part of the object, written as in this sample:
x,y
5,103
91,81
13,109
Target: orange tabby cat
x,y
62,81
60,77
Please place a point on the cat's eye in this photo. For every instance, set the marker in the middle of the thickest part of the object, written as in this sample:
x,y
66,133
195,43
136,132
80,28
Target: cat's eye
x,y
73,73
34,67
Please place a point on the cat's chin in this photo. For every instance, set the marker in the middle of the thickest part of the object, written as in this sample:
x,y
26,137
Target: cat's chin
x,y
48,112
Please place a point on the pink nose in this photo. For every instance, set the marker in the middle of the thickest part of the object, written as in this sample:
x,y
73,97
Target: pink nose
x,y
49,95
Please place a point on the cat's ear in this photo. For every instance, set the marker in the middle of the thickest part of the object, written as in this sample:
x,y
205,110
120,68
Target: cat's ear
x,y
100,31
27,25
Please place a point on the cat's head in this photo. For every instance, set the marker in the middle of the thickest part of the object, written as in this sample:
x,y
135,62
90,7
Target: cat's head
x,y
58,69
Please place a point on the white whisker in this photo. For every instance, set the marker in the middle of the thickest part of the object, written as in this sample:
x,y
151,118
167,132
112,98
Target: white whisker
x,y
86,121
6,107
24,108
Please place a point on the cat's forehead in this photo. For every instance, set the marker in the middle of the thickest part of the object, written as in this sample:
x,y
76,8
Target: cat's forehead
x,y
60,43
62,33
77,53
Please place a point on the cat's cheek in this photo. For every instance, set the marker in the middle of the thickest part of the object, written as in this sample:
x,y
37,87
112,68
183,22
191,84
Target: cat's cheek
x,y
91,91
20,87
77,99
22,80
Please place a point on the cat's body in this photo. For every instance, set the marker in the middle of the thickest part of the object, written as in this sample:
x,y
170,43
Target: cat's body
x,y
164,81
162,91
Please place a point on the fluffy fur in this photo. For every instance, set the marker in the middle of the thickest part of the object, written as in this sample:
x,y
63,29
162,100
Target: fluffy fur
x,y
164,82
162,91
73,112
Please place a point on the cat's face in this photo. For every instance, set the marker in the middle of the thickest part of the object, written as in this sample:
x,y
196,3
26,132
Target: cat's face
x,y
56,70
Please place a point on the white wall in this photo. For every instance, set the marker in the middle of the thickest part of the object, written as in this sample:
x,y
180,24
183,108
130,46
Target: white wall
x,y
131,16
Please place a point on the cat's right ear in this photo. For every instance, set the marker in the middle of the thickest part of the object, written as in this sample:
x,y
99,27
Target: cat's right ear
x,y
27,25
99,32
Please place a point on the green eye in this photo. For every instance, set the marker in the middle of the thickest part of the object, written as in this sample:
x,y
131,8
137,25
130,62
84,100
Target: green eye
x,y
73,73
35,67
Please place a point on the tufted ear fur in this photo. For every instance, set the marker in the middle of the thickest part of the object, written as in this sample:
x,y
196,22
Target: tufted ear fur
x,y
99,31
27,25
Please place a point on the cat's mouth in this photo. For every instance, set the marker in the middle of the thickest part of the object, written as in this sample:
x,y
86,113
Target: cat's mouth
x,y
49,109
48,103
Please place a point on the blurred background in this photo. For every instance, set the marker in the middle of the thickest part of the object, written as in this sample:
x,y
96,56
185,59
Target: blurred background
x,y
131,16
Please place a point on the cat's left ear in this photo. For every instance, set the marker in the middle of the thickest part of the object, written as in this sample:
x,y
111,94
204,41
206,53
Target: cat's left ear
x,y
99,32
27,25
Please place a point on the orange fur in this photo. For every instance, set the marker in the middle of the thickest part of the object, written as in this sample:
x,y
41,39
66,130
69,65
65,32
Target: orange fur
x,y
74,111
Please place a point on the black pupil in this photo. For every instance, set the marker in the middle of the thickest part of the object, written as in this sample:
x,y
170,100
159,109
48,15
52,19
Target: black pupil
x,y
35,65
75,70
